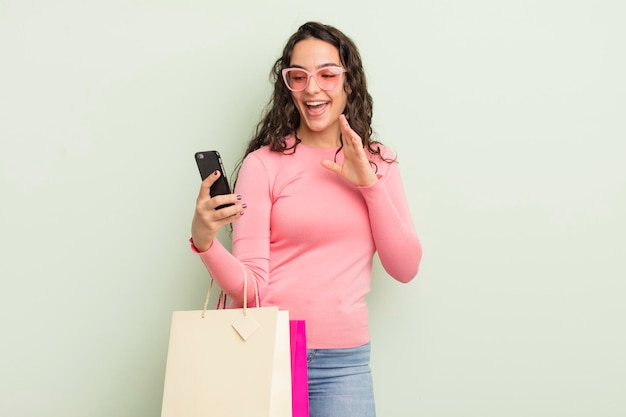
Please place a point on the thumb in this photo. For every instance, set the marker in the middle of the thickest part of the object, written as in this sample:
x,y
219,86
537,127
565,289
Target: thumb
x,y
208,182
332,166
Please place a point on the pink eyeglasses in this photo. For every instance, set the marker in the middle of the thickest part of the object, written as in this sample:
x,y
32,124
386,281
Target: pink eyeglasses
x,y
327,78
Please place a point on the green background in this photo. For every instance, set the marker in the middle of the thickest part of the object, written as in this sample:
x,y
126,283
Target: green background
x,y
508,118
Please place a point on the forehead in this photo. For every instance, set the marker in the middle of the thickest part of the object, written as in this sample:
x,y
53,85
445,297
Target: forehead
x,y
313,53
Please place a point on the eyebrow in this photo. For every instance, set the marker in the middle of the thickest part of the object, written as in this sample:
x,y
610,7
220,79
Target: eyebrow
x,y
328,64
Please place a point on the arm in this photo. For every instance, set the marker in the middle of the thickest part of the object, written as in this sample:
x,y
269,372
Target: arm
x,y
250,237
398,246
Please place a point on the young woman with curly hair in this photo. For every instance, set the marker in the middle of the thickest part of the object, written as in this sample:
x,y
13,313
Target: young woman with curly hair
x,y
315,198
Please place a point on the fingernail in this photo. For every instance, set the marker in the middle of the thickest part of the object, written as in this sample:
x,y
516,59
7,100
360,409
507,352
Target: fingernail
x,y
215,172
244,205
238,197
241,212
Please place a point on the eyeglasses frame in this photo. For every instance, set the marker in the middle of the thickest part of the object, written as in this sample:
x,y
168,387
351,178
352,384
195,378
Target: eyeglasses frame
x,y
313,74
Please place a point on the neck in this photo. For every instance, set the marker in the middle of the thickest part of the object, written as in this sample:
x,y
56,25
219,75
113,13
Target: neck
x,y
319,139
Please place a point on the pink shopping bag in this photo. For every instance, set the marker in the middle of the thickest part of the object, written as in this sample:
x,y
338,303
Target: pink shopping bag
x,y
299,370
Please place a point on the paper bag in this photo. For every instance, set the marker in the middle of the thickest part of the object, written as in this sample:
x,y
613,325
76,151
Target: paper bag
x,y
299,369
229,363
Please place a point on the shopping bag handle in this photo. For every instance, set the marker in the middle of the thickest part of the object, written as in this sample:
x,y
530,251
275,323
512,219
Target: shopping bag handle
x,y
245,293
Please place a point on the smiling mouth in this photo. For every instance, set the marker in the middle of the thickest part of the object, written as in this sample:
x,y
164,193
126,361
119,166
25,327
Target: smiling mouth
x,y
316,103
316,107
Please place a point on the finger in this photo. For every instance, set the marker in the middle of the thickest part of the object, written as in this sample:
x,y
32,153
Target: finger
x,y
229,214
205,187
221,201
212,218
347,129
331,165
353,146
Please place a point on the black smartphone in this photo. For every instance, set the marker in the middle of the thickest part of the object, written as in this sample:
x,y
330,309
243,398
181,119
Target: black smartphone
x,y
208,162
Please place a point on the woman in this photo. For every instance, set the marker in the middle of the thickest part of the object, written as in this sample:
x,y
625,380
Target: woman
x,y
315,198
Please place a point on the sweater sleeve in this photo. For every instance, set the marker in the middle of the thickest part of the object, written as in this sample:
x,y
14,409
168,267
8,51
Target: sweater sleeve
x,y
250,238
397,244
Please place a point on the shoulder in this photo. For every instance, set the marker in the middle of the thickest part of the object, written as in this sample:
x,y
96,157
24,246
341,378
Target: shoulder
x,y
264,160
262,156
266,155
382,153
385,161
385,151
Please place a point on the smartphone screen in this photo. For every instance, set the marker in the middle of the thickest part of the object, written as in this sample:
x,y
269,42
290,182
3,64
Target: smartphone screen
x,y
208,162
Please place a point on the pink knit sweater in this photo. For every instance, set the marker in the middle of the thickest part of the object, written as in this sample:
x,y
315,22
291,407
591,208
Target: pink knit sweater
x,y
308,237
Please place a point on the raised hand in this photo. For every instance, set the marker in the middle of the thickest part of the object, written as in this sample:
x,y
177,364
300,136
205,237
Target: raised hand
x,y
207,221
355,168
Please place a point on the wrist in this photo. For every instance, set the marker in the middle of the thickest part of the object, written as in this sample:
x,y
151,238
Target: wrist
x,y
371,181
200,248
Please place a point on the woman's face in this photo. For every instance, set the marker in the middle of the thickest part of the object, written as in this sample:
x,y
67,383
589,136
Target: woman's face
x,y
319,109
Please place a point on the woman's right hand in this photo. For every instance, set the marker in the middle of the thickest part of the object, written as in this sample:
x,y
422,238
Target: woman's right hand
x,y
207,221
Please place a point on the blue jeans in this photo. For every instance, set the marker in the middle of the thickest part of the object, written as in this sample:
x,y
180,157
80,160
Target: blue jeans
x,y
340,382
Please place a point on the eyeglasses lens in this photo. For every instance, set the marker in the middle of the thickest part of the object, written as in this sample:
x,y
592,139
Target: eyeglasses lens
x,y
326,78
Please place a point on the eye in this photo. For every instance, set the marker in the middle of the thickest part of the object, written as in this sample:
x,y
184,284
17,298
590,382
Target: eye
x,y
328,74
297,75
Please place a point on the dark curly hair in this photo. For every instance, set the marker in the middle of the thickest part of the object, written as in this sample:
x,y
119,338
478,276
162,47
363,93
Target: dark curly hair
x,y
281,115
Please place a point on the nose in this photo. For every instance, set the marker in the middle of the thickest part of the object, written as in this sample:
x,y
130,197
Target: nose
x,y
311,85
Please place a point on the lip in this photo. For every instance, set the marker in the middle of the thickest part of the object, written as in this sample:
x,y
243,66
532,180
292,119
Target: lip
x,y
316,107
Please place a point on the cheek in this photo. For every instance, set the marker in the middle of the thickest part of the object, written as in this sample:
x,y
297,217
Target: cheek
x,y
295,102
342,98
296,97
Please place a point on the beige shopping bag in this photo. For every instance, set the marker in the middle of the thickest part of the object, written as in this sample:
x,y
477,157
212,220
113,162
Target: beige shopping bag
x,y
228,363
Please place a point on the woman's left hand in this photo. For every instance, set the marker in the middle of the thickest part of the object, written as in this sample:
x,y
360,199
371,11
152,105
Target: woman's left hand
x,y
356,168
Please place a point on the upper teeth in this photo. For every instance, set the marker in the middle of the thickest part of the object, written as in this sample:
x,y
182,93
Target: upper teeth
x,y
315,103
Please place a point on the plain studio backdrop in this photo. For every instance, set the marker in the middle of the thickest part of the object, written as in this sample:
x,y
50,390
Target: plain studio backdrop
x,y
508,119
